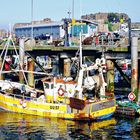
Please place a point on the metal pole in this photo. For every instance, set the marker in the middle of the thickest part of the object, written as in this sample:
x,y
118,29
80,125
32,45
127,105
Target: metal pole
x,y
69,14
134,66
129,34
72,27
32,33
81,58
73,9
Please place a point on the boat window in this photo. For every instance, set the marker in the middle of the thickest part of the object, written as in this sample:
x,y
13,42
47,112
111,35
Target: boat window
x,y
38,84
52,86
46,85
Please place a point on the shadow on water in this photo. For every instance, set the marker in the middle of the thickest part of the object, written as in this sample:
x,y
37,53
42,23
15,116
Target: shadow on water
x,y
27,127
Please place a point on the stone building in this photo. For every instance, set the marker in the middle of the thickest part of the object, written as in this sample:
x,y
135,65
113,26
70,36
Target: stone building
x,y
103,16
3,33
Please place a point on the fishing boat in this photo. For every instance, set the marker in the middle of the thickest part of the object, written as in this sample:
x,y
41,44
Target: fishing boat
x,y
82,98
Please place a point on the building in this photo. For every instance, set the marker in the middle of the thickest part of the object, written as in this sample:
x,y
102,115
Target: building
x,y
96,16
65,30
135,33
135,29
135,25
86,27
105,16
3,33
49,29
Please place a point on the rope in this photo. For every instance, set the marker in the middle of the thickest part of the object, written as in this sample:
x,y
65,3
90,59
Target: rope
x,y
19,63
6,47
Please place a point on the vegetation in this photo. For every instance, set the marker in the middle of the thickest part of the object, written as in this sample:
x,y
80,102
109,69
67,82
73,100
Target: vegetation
x,y
110,25
114,18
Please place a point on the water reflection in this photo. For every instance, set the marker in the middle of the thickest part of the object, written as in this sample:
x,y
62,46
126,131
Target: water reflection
x,y
22,127
28,127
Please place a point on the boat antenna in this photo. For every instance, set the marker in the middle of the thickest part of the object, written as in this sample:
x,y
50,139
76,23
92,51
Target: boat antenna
x,y
72,9
10,30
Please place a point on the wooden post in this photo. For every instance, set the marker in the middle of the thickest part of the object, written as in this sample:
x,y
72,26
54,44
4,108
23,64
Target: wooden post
x,y
21,60
134,66
30,74
66,67
1,75
110,76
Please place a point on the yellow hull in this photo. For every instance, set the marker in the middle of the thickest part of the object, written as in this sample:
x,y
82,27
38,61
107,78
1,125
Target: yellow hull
x,y
91,111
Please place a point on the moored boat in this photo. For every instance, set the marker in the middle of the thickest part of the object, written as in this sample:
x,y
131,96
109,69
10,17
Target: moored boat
x,y
60,98
83,98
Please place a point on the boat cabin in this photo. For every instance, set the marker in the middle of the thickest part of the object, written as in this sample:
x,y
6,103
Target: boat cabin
x,y
58,89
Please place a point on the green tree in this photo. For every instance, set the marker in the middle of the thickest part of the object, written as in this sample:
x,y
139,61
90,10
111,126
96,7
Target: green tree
x,y
112,17
110,26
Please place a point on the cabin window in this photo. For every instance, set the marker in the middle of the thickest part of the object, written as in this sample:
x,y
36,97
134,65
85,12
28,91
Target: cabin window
x,y
38,84
46,85
52,86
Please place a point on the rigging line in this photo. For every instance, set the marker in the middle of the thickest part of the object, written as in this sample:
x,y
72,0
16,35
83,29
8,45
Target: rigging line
x,y
12,67
42,73
89,60
77,53
40,66
76,56
5,54
19,62
4,48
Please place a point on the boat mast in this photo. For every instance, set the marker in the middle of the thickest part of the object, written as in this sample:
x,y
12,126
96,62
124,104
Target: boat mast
x,y
81,36
80,77
81,50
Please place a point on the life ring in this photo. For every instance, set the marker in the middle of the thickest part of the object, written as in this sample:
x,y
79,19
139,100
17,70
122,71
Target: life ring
x,y
61,91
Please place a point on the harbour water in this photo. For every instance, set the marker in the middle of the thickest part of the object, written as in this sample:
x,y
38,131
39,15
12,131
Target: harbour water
x,y
28,127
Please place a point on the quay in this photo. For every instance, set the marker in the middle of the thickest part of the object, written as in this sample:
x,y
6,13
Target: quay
x,y
111,51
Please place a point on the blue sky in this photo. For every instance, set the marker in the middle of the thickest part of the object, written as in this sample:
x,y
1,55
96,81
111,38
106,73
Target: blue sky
x,y
15,11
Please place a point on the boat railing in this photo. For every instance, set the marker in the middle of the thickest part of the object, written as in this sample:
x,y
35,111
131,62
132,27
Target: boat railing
x,y
19,96
29,98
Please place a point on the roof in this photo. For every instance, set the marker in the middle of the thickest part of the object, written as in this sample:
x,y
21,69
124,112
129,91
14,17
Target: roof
x,y
59,23
135,29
